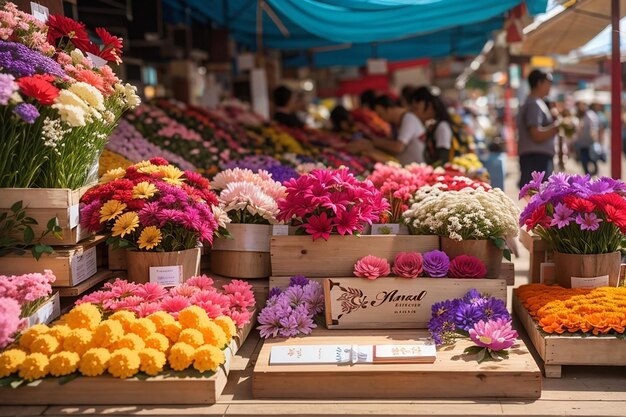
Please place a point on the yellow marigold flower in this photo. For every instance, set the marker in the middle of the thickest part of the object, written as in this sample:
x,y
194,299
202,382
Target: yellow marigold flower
x,y
79,341
111,210
10,361
228,326
192,317
112,174
125,317
29,335
208,358
192,337
152,361
60,331
172,331
45,344
149,238
130,341
213,335
34,366
125,224
63,363
83,316
107,333
143,327
144,190
181,356
124,363
94,362
157,341
160,319
171,174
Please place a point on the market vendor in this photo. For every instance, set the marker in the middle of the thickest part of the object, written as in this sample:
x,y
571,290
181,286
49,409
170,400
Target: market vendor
x,y
409,144
285,107
432,112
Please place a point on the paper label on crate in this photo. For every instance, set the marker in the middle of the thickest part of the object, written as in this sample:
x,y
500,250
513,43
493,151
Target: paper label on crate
x,y
39,12
321,354
593,282
385,229
167,276
74,215
399,352
280,230
84,266
49,311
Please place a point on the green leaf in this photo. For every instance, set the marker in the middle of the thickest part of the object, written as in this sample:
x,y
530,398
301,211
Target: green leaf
x,y
28,220
52,223
482,355
17,206
473,350
29,235
68,378
39,249
507,254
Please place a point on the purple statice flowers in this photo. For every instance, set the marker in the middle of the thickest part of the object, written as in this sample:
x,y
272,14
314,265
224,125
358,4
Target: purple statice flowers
x,y
292,312
27,112
8,86
282,173
455,317
20,61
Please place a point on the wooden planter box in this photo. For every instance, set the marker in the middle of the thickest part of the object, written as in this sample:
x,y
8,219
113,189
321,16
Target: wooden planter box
x,y
540,252
246,254
71,265
172,388
300,255
395,303
570,349
452,375
48,311
42,204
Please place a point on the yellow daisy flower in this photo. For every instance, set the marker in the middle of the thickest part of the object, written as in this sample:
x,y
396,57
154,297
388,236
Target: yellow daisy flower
x,y
112,174
125,224
149,169
150,238
171,174
143,163
144,190
110,210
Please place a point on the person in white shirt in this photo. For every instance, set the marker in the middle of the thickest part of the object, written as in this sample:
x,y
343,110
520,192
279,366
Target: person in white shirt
x,y
409,144
431,110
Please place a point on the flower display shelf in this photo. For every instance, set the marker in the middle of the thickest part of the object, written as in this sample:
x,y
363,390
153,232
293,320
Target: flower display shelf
x,y
395,303
71,264
300,255
557,351
42,204
76,290
174,389
540,252
452,375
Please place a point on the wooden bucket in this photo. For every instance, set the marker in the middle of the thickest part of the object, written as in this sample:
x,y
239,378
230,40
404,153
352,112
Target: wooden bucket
x,y
485,250
143,265
568,265
246,254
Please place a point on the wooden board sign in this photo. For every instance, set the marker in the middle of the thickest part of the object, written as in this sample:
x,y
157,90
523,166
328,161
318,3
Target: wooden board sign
x,y
395,303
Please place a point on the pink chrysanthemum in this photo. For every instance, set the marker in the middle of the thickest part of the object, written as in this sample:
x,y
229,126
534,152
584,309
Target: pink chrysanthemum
x,y
494,334
9,320
151,291
174,304
372,267
184,290
145,309
241,318
214,303
202,282
408,265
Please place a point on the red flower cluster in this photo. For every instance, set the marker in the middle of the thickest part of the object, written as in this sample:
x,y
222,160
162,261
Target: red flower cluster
x,y
40,87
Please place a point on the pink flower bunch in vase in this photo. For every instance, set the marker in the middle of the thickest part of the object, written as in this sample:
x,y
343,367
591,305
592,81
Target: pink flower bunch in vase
x,y
328,201
235,300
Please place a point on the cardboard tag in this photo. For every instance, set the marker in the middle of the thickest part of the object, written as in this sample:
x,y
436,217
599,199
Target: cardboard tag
x,y
39,12
593,282
280,230
84,265
167,276
546,273
385,229
96,60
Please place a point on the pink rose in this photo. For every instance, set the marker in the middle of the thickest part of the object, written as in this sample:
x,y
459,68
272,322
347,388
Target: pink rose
x,y
466,266
408,265
372,267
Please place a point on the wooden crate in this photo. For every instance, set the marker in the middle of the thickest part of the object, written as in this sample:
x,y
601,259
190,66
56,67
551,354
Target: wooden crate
x,y
76,290
557,351
451,376
116,258
540,252
42,204
395,303
300,255
170,389
70,264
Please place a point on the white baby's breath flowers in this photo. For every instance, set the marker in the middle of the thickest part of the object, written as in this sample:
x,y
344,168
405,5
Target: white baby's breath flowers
x,y
53,133
462,215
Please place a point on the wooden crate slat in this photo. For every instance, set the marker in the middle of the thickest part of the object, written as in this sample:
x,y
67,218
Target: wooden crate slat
x,y
101,275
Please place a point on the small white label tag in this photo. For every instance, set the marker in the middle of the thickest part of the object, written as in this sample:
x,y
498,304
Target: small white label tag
x,y
39,12
84,265
74,215
280,230
594,282
167,276
96,60
385,229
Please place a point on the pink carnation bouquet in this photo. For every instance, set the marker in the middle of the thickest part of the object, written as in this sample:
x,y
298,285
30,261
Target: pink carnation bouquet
x,y
235,300
327,201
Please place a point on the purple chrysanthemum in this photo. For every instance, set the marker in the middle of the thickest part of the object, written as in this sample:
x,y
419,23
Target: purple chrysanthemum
x,y
27,112
494,308
8,86
314,297
466,315
298,280
275,291
436,263
20,61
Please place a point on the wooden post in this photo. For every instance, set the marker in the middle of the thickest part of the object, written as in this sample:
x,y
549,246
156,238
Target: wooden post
x,y
616,94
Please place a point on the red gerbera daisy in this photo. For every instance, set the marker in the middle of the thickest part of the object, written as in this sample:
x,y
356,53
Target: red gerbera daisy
x,y
40,88
579,204
60,26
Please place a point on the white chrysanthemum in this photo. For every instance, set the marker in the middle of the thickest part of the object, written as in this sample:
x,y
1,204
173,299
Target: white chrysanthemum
x,y
132,99
222,179
249,197
69,98
73,115
89,94
77,56
221,217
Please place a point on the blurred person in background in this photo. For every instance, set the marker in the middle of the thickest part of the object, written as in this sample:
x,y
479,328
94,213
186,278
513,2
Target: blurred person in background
x,y
537,129
343,123
405,96
301,109
433,113
568,129
285,107
367,99
588,134
603,122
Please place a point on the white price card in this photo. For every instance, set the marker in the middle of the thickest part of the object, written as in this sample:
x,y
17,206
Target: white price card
x,y
593,282
386,229
39,12
280,230
167,276
84,266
